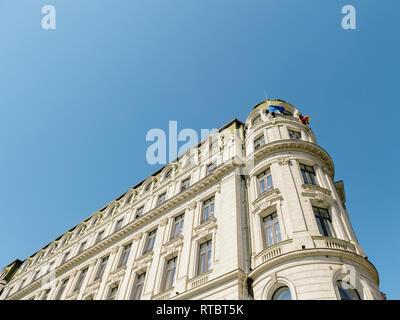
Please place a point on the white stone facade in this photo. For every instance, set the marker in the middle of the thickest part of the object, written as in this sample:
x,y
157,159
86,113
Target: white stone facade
x,y
242,260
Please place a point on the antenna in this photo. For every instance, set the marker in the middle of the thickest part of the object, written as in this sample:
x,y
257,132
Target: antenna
x,y
265,94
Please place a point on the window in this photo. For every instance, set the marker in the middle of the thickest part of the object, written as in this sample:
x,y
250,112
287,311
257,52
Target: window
x,y
170,268
61,290
205,257
125,255
323,221
148,187
347,291
264,182
161,198
185,184
287,113
282,293
50,267
272,229
99,236
81,278
211,168
208,210
259,142
139,212
295,135
65,257
112,293
46,294
102,267
177,226
308,174
35,275
82,247
256,120
151,238
138,287
22,284
168,174
118,225
129,198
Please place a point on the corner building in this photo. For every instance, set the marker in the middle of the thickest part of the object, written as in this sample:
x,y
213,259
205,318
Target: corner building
x,y
251,212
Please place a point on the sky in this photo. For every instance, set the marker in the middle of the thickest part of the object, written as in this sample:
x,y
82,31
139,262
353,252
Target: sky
x,y
76,102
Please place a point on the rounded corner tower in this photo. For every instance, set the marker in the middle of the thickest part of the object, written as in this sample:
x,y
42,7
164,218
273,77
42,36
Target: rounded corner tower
x,y
302,244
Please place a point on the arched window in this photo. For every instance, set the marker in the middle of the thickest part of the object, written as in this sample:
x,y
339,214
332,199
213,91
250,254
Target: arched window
x,y
256,120
282,293
347,291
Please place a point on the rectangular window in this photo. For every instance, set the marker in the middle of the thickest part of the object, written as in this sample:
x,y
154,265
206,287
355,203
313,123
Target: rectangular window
x,y
208,210
112,294
295,135
323,221
50,267
65,257
211,168
264,182
177,226
125,255
46,294
99,236
61,290
139,212
102,267
81,278
272,229
170,268
82,247
151,238
185,184
118,225
138,287
161,198
205,257
259,142
22,284
308,174
35,275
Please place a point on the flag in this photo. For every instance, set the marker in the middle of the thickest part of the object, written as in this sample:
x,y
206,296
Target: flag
x,y
276,108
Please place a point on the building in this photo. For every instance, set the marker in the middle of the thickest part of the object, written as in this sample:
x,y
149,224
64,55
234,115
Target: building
x,y
251,212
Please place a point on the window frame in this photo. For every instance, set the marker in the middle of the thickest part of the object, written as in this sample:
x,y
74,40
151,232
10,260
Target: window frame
x,y
324,221
210,206
138,283
184,185
177,223
101,268
151,238
211,165
308,174
207,257
259,145
274,223
263,177
61,289
123,260
169,273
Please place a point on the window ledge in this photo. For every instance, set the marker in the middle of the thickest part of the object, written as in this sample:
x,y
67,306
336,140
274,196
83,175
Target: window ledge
x,y
206,224
173,241
314,187
264,200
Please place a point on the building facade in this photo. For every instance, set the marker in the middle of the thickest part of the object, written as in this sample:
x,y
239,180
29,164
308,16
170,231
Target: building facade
x,y
251,212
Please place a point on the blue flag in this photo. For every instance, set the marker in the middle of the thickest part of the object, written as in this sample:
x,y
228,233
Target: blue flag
x,y
276,108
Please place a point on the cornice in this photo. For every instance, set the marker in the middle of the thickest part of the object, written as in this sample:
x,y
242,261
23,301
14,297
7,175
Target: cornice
x,y
296,145
135,224
313,252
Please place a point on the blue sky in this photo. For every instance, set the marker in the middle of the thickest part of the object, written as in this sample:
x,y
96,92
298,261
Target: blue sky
x,y
76,102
